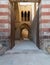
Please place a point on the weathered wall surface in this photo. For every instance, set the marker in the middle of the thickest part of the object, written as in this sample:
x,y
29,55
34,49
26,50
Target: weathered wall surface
x,y
5,20
35,28
24,8
44,26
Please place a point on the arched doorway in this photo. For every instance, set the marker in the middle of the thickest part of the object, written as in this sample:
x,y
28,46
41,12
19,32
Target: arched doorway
x,y
16,18
25,34
25,31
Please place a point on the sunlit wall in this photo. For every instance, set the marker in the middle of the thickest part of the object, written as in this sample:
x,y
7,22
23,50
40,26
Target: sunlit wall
x,y
32,7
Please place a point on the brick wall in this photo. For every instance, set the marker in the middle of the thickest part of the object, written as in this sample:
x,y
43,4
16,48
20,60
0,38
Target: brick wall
x,y
5,23
44,26
4,19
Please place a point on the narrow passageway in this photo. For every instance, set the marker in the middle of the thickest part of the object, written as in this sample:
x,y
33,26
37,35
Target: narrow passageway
x,y
24,32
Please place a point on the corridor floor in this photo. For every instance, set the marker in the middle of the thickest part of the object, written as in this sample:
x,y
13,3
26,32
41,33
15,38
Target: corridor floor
x,y
25,53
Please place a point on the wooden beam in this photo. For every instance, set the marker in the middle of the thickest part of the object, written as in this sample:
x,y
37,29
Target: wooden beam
x,y
39,1
25,0
12,26
34,8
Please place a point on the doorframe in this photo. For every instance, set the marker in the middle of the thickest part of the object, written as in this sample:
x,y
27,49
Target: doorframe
x,y
12,37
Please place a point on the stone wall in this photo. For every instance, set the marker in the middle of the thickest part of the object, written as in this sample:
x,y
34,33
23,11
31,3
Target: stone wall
x,y
35,29
44,26
5,20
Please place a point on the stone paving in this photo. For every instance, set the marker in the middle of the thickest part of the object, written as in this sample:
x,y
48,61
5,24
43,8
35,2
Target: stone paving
x,y
25,53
